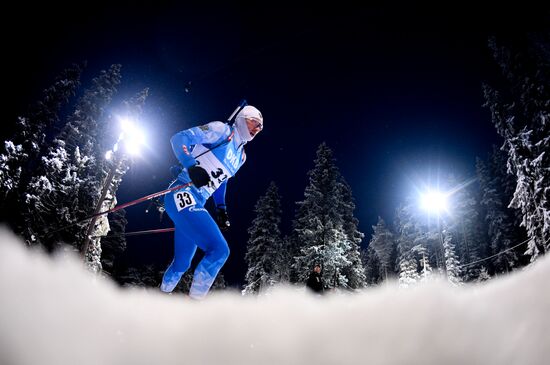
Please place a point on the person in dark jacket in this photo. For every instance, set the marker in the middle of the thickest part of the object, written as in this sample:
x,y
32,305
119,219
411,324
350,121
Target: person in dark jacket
x,y
315,281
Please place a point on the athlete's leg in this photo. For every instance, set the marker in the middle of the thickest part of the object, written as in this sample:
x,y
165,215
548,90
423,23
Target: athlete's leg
x,y
216,252
184,242
184,250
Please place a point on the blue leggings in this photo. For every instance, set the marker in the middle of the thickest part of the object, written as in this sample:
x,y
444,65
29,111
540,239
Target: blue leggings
x,y
194,227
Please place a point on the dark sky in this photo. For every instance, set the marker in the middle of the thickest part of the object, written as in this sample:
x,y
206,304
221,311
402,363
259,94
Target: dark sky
x,y
394,91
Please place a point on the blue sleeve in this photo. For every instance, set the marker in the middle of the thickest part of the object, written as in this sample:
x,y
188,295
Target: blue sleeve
x,y
183,141
219,195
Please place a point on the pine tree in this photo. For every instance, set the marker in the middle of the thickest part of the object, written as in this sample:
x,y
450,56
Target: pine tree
x,y
66,187
523,121
355,272
452,264
18,162
264,248
382,242
318,233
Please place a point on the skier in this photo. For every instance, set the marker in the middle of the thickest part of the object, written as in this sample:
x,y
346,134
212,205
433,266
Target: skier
x,y
210,155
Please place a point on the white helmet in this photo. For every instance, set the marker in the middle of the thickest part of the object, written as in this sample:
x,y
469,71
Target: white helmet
x,y
248,112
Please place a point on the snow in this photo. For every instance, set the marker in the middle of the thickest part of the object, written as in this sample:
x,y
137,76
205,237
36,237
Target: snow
x,y
52,311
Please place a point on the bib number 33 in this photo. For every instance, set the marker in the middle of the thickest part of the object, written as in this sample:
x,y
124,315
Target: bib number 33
x,y
184,199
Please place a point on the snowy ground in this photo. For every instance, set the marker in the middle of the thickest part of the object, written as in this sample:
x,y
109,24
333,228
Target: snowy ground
x,y
54,312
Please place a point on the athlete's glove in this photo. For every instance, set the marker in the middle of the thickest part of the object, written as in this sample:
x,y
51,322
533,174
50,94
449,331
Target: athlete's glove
x,y
222,219
198,176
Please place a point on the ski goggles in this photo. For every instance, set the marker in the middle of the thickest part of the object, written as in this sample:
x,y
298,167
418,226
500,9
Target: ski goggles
x,y
256,123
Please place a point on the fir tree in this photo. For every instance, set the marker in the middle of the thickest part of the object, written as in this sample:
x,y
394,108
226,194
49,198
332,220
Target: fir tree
x,y
264,248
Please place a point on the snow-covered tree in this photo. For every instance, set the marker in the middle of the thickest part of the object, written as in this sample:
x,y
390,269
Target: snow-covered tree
x,y
264,255
407,233
383,243
18,161
355,272
68,181
522,117
452,264
318,232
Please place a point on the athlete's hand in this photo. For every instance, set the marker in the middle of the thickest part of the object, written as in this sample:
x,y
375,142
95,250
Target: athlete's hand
x,y
198,176
222,219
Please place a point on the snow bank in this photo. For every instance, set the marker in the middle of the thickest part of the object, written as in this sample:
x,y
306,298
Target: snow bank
x,y
54,312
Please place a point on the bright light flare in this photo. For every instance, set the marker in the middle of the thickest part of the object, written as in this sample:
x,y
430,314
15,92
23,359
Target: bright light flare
x,y
433,201
132,136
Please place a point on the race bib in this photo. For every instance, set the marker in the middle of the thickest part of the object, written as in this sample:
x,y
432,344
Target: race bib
x,y
184,199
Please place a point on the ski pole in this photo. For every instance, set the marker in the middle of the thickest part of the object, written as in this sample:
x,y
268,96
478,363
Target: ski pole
x,y
138,233
122,206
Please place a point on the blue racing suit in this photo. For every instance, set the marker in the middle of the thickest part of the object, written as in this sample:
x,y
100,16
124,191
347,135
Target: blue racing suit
x,y
220,151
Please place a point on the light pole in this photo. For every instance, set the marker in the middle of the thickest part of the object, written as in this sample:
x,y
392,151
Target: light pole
x,y
131,137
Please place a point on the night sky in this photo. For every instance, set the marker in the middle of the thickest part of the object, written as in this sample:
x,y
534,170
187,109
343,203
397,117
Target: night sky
x,y
395,92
